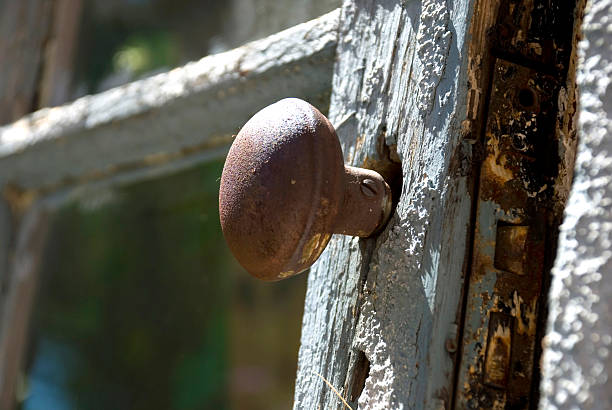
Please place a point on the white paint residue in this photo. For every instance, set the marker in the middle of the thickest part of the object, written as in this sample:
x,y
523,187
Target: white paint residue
x,y
434,42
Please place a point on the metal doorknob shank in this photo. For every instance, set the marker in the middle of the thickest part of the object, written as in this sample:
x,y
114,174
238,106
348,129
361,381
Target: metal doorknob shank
x,y
285,190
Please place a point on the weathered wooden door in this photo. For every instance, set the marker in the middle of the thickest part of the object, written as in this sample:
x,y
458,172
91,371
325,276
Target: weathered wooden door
x,y
379,311
466,107
423,92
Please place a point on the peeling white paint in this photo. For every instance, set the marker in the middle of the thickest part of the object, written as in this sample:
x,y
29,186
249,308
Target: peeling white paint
x,y
401,76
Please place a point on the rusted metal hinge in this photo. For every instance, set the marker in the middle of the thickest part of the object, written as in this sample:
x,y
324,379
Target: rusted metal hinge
x,y
530,49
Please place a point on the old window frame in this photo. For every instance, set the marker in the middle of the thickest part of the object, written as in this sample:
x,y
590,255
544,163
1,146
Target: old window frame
x,y
297,62
143,130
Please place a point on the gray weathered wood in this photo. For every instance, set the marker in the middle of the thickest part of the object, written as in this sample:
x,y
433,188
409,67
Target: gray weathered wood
x,y
6,240
578,346
24,28
60,48
399,94
169,116
38,39
15,313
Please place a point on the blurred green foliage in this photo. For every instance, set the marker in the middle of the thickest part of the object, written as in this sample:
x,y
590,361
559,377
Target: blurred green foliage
x,y
140,304
142,53
139,290
145,308
134,37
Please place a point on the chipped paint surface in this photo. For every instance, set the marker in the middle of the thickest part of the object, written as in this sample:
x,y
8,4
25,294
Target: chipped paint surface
x,y
59,147
578,344
398,86
286,274
313,248
497,360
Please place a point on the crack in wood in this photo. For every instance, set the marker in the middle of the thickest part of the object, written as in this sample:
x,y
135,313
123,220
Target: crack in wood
x,y
361,371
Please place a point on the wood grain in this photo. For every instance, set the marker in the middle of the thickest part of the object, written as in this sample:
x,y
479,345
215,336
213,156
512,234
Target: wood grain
x,y
38,41
24,28
15,312
399,95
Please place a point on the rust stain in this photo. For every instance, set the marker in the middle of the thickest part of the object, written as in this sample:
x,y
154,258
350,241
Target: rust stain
x,y
485,298
313,248
359,143
499,404
324,209
511,248
498,356
525,314
522,161
272,224
18,199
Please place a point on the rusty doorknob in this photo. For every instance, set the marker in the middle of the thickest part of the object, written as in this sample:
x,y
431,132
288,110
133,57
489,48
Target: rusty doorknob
x,y
285,190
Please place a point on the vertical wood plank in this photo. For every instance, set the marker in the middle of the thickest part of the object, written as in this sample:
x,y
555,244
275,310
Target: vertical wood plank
x,y
577,356
24,26
399,96
38,39
60,49
19,301
6,238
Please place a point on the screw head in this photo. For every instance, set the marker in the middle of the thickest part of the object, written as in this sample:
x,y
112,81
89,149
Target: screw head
x,y
368,188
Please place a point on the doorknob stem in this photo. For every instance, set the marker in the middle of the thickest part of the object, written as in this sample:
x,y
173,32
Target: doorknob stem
x,y
367,203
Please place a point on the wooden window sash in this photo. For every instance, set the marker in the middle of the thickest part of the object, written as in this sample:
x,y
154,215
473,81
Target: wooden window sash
x,y
142,130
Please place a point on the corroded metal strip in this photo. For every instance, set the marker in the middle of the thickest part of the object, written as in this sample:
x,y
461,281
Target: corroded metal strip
x,y
505,284
517,205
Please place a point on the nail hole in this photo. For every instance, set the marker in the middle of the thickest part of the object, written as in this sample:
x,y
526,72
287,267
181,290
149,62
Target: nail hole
x,y
526,97
518,367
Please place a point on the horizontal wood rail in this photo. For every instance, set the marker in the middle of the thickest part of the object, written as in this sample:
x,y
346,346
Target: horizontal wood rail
x,y
169,117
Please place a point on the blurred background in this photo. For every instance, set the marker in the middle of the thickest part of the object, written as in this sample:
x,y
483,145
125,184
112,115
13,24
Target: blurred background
x,y
140,304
